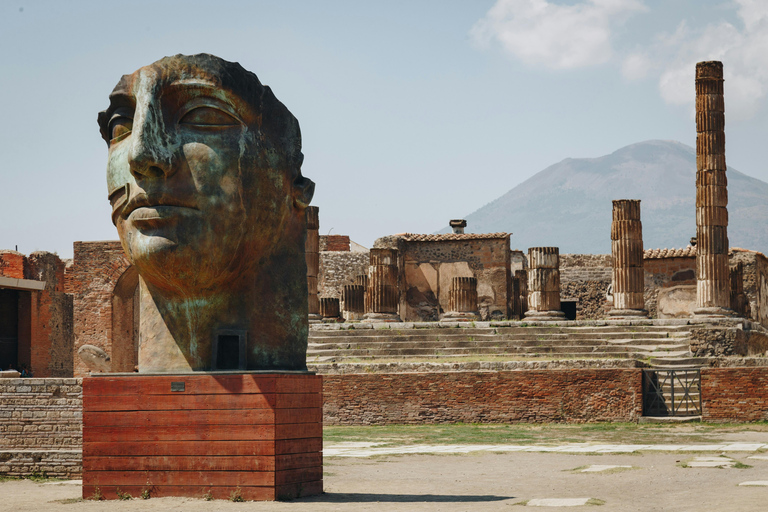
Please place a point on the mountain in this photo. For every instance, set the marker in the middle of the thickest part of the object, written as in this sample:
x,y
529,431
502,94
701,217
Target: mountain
x,y
568,204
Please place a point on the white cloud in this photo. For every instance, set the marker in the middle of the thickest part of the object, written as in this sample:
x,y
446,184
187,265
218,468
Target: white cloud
x,y
542,33
743,49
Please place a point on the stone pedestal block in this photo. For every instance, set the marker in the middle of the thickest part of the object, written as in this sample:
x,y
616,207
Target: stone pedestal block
x,y
353,300
713,296
544,284
190,435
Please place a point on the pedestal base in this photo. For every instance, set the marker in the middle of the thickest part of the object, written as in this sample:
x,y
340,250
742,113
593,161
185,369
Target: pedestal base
x,y
371,318
315,318
457,316
627,313
716,312
218,434
544,315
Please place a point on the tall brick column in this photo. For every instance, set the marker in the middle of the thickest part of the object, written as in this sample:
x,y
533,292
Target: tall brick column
x,y
462,299
544,284
383,296
312,249
627,252
713,282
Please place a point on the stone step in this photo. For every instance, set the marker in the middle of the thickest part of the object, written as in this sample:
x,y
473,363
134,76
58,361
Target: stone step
x,y
523,336
651,346
586,350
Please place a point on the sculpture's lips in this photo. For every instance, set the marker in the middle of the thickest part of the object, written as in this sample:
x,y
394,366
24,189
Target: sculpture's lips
x,y
147,207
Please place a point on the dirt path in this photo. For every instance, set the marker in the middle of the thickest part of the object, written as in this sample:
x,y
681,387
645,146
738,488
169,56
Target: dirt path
x,y
476,482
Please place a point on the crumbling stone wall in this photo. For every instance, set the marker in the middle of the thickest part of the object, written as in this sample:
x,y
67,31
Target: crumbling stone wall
x,y
338,268
585,278
96,270
522,396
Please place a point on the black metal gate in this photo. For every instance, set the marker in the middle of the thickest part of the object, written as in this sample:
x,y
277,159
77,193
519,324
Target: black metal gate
x,y
672,392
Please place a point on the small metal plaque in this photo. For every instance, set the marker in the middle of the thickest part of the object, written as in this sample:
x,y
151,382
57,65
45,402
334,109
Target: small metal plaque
x,y
177,386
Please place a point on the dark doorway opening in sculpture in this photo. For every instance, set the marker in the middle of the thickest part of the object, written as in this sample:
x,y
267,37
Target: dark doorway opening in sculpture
x,y
229,350
9,329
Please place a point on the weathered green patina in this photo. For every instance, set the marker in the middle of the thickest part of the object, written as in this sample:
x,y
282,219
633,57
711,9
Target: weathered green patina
x,y
204,178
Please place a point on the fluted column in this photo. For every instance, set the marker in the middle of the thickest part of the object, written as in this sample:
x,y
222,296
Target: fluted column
x,y
713,281
462,299
544,284
383,296
329,308
353,297
312,252
627,252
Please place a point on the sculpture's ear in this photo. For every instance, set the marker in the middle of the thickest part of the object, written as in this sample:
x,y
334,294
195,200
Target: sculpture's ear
x,y
303,190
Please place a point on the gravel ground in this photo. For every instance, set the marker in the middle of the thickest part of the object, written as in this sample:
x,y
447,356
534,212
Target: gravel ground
x,y
476,482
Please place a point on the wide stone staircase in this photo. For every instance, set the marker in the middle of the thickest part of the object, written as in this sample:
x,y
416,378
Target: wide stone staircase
x,y
656,345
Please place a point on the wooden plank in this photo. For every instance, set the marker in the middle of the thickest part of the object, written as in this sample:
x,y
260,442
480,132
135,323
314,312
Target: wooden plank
x,y
299,384
196,448
291,476
201,478
188,433
299,431
191,463
287,446
298,460
193,384
249,493
298,490
298,400
308,415
93,403
141,419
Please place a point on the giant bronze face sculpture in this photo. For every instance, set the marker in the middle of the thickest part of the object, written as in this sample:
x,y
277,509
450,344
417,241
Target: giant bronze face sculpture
x,y
204,178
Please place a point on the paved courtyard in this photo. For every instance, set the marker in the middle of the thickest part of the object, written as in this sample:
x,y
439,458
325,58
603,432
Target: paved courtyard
x,y
732,476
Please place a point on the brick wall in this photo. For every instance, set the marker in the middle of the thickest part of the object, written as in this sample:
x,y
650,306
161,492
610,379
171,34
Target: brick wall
x,y
11,264
41,427
334,243
483,397
734,394
96,269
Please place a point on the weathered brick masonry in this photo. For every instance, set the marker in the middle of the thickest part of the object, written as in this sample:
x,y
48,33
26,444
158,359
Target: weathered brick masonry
x,y
41,427
734,394
483,397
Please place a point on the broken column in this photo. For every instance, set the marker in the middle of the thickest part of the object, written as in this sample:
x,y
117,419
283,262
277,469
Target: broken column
x,y
713,281
312,251
353,298
462,299
544,284
627,252
521,299
383,296
329,308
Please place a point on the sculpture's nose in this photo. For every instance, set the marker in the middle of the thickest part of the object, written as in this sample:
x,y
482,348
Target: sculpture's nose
x,y
150,155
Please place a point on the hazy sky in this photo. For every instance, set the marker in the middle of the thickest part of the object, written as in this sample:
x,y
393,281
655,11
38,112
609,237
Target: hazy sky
x,y
412,112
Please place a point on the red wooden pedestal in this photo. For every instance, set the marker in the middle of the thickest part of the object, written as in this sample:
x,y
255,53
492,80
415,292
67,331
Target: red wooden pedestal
x,y
208,433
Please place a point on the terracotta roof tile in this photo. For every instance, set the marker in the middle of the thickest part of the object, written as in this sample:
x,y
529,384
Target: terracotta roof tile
x,y
653,254
412,237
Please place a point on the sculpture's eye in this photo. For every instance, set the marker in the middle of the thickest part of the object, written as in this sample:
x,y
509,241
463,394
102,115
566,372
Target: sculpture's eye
x,y
119,127
208,117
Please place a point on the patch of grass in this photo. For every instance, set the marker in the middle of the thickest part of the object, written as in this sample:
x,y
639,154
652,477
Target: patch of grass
x,y
208,496
146,493
741,465
521,503
595,501
577,468
123,496
96,496
5,478
236,496
38,476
